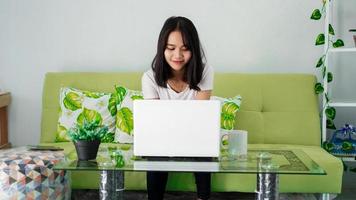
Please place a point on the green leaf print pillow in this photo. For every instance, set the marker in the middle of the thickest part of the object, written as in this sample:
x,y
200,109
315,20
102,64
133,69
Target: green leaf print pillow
x,y
77,105
229,109
124,117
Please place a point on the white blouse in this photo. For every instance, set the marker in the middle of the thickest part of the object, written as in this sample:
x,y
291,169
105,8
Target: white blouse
x,y
151,90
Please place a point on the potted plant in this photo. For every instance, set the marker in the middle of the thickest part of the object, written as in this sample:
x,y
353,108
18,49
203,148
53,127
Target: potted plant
x,y
354,30
86,138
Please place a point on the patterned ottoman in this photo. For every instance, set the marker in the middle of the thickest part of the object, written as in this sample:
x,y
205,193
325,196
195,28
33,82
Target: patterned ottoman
x,y
28,175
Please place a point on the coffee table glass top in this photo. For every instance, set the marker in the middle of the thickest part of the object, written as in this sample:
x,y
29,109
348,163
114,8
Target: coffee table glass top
x,y
278,161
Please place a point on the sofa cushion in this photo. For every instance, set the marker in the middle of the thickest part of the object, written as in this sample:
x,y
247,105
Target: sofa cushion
x,y
78,105
276,109
124,117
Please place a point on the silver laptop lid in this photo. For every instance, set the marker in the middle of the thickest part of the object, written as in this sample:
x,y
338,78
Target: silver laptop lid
x,y
177,128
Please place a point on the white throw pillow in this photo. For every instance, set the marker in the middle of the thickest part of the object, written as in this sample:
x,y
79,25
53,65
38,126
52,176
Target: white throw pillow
x,y
124,116
78,105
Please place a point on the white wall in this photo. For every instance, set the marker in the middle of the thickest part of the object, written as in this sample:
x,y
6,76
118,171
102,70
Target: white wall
x,y
39,36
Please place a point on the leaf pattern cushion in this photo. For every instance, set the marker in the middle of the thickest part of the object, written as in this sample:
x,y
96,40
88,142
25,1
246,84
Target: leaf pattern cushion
x,y
124,117
229,109
78,105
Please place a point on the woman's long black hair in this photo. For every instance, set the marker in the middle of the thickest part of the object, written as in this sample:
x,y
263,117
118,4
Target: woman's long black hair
x,y
194,68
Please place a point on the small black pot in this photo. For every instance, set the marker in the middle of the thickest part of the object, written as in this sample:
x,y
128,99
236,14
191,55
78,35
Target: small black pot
x,y
87,150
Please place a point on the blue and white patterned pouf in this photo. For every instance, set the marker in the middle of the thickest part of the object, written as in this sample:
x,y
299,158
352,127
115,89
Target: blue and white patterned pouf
x,y
28,175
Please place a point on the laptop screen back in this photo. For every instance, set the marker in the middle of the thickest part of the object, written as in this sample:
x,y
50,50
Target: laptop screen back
x,y
176,128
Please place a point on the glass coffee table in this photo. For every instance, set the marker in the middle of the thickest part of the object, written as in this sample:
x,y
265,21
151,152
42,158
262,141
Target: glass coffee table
x,y
267,164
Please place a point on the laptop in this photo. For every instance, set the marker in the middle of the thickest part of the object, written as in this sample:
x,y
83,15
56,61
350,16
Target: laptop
x,y
177,128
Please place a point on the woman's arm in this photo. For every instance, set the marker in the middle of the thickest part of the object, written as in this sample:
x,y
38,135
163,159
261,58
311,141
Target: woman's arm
x,y
203,95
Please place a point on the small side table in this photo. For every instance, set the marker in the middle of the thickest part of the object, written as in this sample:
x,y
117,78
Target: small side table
x,y
5,100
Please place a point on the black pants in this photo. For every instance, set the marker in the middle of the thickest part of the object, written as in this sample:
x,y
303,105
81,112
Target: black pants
x,y
156,184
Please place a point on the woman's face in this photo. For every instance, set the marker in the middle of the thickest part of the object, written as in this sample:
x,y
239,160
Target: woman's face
x,y
176,53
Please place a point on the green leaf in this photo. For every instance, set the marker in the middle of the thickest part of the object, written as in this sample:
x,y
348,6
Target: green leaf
x,y
227,121
137,97
330,113
124,120
88,131
331,30
225,142
316,15
338,43
112,104
121,93
125,147
230,108
72,101
62,135
346,146
108,138
330,124
318,88
330,77
328,146
94,95
320,39
320,62
90,116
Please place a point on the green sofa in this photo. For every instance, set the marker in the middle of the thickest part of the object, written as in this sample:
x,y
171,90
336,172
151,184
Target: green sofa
x,y
278,111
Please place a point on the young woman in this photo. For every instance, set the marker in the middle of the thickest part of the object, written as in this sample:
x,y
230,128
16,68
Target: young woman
x,y
178,72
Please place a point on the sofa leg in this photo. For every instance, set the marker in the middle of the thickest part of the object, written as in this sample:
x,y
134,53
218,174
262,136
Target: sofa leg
x,y
111,185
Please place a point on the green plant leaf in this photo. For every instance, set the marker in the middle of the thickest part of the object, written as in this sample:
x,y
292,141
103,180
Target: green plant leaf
x,y
330,113
328,146
90,116
331,30
346,146
230,108
338,43
225,142
330,77
137,97
320,39
72,101
318,88
62,135
87,131
330,124
125,147
316,15
320,62
94,95
108,138
124,120
227,121
112,104
121,93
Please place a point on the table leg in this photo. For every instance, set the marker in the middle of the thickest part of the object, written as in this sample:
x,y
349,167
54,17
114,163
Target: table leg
x,y
111,185
267,186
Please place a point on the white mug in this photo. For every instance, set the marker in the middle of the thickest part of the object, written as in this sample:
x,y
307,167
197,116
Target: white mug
x,y
237,144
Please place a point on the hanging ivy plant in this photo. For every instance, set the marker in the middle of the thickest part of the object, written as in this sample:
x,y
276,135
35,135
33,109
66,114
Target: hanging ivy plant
x,y
330,112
